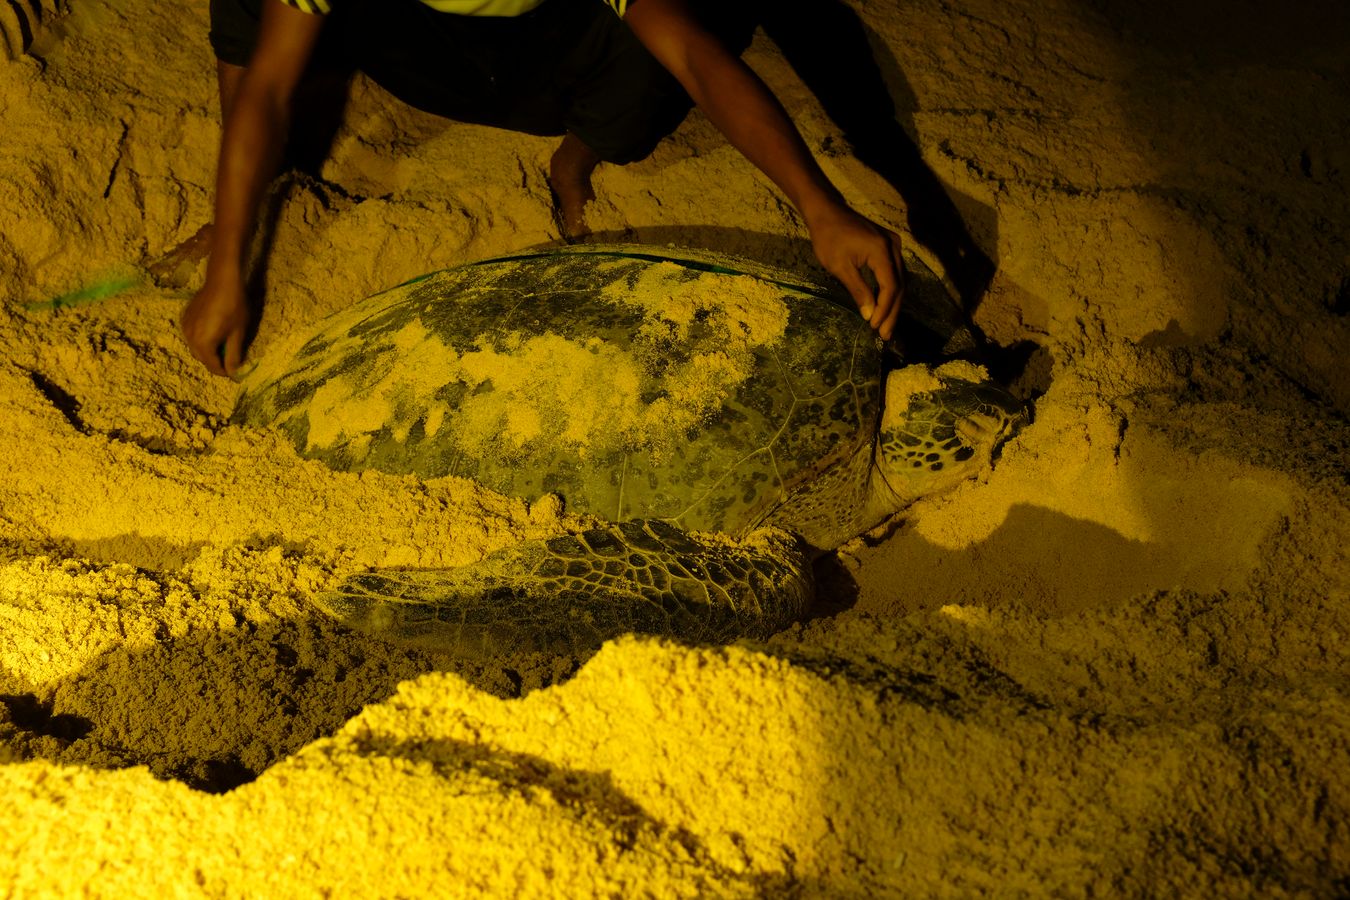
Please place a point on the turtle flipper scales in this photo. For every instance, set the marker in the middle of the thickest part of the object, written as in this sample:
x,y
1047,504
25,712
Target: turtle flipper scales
x,y
569,594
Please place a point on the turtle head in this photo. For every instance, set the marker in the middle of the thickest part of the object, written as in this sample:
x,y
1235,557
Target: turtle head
x,y
941,426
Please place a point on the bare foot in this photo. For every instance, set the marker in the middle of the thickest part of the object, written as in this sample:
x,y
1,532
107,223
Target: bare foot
x,y
178,267
569,174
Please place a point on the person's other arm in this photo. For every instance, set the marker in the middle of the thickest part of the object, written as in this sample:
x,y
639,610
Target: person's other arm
x,y
744,110
215,322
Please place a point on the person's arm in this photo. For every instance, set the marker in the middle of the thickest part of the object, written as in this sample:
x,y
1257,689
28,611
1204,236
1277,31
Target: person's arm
x,y
215,322
744,110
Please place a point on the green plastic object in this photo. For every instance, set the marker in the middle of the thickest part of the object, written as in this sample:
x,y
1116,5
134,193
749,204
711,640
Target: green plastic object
x,y
94,293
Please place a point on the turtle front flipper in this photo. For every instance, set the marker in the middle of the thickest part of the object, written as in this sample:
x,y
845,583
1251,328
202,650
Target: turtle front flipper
x,y
569,594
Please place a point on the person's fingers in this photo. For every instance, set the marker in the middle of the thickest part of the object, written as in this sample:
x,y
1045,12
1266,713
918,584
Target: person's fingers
x,y
234,351
887,327
866,259
211,359
857,287
883,269
202,351
888,324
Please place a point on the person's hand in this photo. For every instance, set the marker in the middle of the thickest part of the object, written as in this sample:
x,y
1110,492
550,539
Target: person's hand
x,y
215,325
847,245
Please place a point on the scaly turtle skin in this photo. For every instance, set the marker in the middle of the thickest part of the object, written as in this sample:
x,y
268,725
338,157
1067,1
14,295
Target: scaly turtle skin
x,y
704,394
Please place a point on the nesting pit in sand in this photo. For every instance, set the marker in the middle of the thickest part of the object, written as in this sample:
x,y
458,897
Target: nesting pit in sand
x,y
1115,665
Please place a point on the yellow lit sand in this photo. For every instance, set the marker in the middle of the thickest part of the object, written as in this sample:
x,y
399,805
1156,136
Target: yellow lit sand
x,y
1114,665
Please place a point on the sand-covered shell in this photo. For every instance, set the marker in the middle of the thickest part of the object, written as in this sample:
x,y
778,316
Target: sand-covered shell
x,y
686,387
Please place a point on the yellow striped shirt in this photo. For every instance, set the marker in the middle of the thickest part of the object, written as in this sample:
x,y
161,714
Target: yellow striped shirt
x,y
458,7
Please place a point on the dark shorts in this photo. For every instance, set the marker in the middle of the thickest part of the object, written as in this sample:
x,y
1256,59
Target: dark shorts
x,y
567,66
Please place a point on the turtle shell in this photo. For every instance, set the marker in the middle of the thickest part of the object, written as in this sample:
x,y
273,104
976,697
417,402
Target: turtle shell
x,y
688,387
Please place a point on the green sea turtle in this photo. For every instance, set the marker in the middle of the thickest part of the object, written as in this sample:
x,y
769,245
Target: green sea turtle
x,y
686,399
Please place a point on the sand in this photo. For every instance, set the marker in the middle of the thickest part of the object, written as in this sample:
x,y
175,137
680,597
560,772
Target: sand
x,y
1114,665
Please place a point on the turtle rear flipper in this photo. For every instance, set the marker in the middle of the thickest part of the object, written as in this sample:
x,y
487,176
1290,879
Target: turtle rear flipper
x,y
569,594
